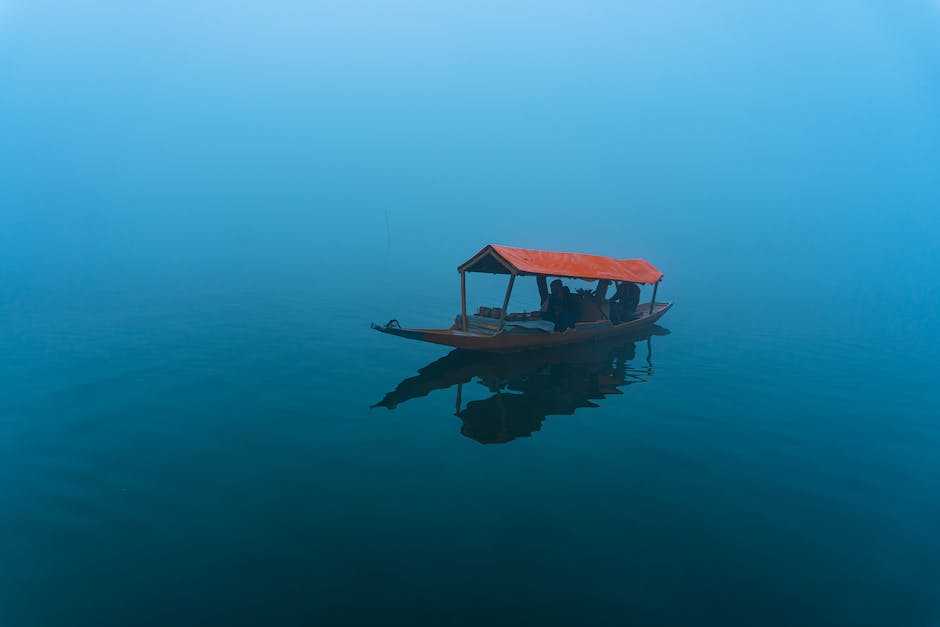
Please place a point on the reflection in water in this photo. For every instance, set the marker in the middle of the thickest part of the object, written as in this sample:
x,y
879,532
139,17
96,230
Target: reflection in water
x,y
527,387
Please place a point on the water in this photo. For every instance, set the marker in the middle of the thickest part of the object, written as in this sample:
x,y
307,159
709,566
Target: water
x,y
214,458
204,205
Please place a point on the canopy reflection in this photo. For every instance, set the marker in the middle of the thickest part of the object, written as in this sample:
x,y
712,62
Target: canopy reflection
x,y
530,386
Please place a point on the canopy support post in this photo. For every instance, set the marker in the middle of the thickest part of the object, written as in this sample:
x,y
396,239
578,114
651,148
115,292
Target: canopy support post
x,y
463,300
542,282
502,312
653,301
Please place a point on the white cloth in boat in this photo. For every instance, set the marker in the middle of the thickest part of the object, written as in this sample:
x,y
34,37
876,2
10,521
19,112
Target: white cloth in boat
x,y
485,324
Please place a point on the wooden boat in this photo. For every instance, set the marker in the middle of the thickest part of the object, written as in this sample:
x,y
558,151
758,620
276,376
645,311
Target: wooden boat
x,y
493,330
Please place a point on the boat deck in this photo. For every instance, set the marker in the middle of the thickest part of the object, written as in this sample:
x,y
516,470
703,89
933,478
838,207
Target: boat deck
x,y
514,338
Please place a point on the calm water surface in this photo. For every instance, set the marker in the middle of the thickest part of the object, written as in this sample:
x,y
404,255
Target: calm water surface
x,y
258,457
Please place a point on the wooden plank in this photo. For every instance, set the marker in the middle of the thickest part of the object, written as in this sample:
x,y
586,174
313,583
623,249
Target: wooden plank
x,y
502,313
463,299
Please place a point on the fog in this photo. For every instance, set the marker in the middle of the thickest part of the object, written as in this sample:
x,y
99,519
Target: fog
x,y
767,153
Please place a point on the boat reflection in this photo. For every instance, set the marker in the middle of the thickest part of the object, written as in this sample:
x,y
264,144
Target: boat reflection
x,y
527,387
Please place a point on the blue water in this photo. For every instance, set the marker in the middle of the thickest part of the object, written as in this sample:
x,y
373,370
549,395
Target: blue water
x,y
203,206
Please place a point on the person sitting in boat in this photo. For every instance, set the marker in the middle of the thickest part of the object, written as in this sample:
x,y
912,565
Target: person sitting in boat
x,y
600,297
624,302
559,306
553,302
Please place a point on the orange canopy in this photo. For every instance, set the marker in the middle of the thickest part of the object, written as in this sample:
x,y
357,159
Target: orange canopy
x,y
496,259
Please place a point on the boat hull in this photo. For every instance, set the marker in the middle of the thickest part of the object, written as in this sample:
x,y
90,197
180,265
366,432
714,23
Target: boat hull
x,y
513,342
